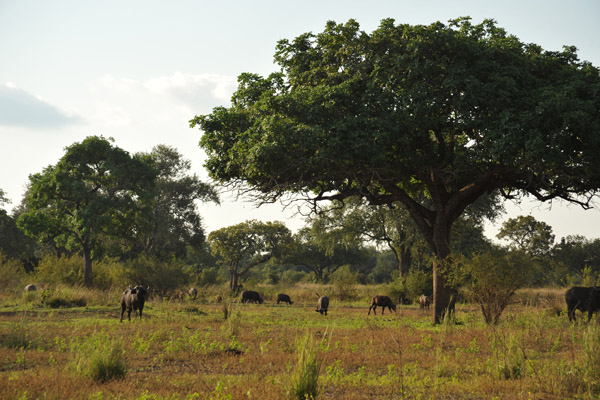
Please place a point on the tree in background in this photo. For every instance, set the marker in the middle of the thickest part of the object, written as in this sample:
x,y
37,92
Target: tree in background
x,y
323,251
245,245
95,189
390,226
525,233
176,223
451,113
534,238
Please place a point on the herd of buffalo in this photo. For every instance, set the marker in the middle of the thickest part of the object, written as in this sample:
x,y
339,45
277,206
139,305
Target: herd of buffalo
x,y
584,299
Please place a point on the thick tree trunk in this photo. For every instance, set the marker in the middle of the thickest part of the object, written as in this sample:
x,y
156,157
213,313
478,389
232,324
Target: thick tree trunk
x,y
233,280
87,266
444,296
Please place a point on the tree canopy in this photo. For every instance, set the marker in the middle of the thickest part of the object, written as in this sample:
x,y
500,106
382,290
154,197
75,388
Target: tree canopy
x,y
95,189
176,221
449,113
245,245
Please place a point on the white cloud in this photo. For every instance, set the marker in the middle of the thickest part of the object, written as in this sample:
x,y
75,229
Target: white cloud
x,y
194,90
20,108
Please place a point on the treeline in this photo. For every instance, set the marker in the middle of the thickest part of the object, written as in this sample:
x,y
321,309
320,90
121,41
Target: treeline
x,y
134,218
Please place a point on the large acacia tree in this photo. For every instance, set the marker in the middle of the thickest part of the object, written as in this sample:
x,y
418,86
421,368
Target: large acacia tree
x,y
95,190
452,112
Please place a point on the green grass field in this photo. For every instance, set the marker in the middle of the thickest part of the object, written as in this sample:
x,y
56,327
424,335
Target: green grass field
x,y
188,350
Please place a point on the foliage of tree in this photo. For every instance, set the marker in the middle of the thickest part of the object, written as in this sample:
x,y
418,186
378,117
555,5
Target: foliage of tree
x,y
13,242
390,226
572,254
245,245
529,235
323,249
453,112
96,189
177,225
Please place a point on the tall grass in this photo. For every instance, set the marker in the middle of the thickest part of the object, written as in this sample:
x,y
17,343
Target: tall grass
x,y
100,358
304,379
590,363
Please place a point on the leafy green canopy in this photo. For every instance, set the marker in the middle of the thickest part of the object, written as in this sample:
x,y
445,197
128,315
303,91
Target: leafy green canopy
x,y
453,111
94,190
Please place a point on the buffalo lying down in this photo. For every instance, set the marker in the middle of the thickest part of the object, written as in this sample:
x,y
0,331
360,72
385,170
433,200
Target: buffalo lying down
x,y
133,299
383,302
250,296
582,299
322,304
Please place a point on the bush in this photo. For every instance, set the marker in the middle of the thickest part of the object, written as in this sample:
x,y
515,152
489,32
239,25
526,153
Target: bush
x,y
157,274
344,281
492,278
409,287
63,298
12,274
60,270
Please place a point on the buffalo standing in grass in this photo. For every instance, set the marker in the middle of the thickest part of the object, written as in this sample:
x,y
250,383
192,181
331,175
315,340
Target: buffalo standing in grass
x,y
133,299
582,299
383,302
322,304
250,296
193,293
284,298
425,301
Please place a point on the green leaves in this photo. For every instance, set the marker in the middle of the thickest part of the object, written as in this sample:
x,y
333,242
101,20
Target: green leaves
x,y
95,189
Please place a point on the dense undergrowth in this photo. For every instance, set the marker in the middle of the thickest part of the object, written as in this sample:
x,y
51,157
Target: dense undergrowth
x,y
187,349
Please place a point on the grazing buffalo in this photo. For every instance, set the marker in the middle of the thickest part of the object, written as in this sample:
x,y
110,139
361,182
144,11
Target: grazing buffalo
x,y
133,299
193,292
284,298
322,304
30,288
250,296
582,299
425,301
383,302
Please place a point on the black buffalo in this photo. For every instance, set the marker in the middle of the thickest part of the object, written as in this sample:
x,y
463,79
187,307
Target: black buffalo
x,y
582,299
322,304
284,298
133,299
383,302
250,296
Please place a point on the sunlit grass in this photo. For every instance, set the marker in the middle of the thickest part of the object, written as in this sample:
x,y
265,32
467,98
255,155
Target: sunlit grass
x,y
180,350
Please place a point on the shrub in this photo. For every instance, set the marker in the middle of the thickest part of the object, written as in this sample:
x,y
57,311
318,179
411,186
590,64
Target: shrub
x,y
493,277
63,298
157,274
12,273
344,281
60,270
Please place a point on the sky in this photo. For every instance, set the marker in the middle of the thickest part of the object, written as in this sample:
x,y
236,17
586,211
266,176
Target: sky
x,y
138,71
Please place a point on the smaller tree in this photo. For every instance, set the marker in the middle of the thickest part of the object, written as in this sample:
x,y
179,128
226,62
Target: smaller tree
x,y
245,245
529,235
493,277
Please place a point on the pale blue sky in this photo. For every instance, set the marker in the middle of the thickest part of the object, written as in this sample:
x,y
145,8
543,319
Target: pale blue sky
x,y
139,70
